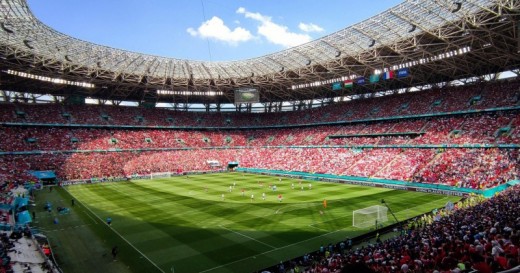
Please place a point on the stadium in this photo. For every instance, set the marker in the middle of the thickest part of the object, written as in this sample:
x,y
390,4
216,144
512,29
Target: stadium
x,y
392,145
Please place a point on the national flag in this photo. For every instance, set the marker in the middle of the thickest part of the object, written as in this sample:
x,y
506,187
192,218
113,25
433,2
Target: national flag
x,y
374,78
388,75
403,72
348,84
360,80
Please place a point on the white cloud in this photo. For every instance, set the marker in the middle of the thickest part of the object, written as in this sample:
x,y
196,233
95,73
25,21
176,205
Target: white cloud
x,y
275,33
192,32
215,28
310,27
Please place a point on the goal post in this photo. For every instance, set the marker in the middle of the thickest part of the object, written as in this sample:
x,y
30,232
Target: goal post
x,y
369,216
160,175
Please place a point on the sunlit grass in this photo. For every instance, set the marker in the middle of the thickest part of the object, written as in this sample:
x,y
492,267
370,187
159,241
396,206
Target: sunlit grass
x,y
200,224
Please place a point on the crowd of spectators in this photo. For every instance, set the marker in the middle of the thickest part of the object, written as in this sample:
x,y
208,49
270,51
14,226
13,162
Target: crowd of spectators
x,y
473,168
484,236
470,168
19,250
81,153
436,100
487,128
478,235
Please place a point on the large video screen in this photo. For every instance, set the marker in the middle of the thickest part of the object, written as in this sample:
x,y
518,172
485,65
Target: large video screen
x,y
246,95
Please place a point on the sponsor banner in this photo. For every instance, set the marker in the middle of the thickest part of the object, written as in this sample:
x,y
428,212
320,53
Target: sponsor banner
x,y
437,191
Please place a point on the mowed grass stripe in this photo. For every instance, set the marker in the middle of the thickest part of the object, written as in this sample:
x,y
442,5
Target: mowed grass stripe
x,y
164,240
227,213
183,221
241,216
160,250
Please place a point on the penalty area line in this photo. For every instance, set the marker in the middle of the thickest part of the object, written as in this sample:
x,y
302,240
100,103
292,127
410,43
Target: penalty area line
x,y
312,226
248,237
119,234
269,251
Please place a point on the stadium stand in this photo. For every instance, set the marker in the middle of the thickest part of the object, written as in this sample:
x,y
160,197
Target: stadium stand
x,y
430,149
460,98
20,251
422,129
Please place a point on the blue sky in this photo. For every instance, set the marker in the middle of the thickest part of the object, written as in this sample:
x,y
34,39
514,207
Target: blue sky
x,y
216,30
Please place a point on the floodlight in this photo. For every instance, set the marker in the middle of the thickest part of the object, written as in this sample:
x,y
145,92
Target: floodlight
x,y
458,6
28,44
6,28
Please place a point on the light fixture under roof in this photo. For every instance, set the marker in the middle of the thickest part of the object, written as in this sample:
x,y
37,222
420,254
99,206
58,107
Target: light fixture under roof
x,y
6,28
28,43
458,6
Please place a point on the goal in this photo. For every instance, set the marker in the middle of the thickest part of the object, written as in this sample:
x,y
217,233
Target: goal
x,y
370,216
160,175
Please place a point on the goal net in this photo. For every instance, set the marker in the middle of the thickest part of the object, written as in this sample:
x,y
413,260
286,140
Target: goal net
x,y
370,216
160,175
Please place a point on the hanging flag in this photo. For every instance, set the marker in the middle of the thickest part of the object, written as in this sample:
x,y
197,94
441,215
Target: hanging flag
x,y
388,75
402,73
348,84
374,78
360,80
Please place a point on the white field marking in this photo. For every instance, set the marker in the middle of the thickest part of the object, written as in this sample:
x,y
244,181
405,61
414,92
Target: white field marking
x,y
312,225
405,210
248,237
186,212
272,250
124,239
71,227
151,198
269,251
88,214
401,211
398,212
115,188
295,205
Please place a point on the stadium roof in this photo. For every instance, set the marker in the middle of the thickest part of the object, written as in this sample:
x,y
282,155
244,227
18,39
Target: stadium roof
x,y
438,40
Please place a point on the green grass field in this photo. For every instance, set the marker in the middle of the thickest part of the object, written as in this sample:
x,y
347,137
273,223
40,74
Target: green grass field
x,y
183,224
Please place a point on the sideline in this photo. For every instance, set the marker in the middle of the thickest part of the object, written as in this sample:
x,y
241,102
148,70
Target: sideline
x,y
119,234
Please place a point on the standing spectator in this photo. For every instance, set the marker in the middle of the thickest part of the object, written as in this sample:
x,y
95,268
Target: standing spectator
x,y
115,250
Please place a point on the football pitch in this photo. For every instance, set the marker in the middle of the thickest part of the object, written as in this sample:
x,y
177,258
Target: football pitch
x,y
210,223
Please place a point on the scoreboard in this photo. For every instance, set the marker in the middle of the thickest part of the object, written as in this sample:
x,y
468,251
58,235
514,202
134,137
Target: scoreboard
x,y
247,95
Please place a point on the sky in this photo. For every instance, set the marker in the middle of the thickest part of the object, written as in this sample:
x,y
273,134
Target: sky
x,y
207,30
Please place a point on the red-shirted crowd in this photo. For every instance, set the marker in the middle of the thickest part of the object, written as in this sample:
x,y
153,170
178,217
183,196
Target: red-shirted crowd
x,y
472,168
